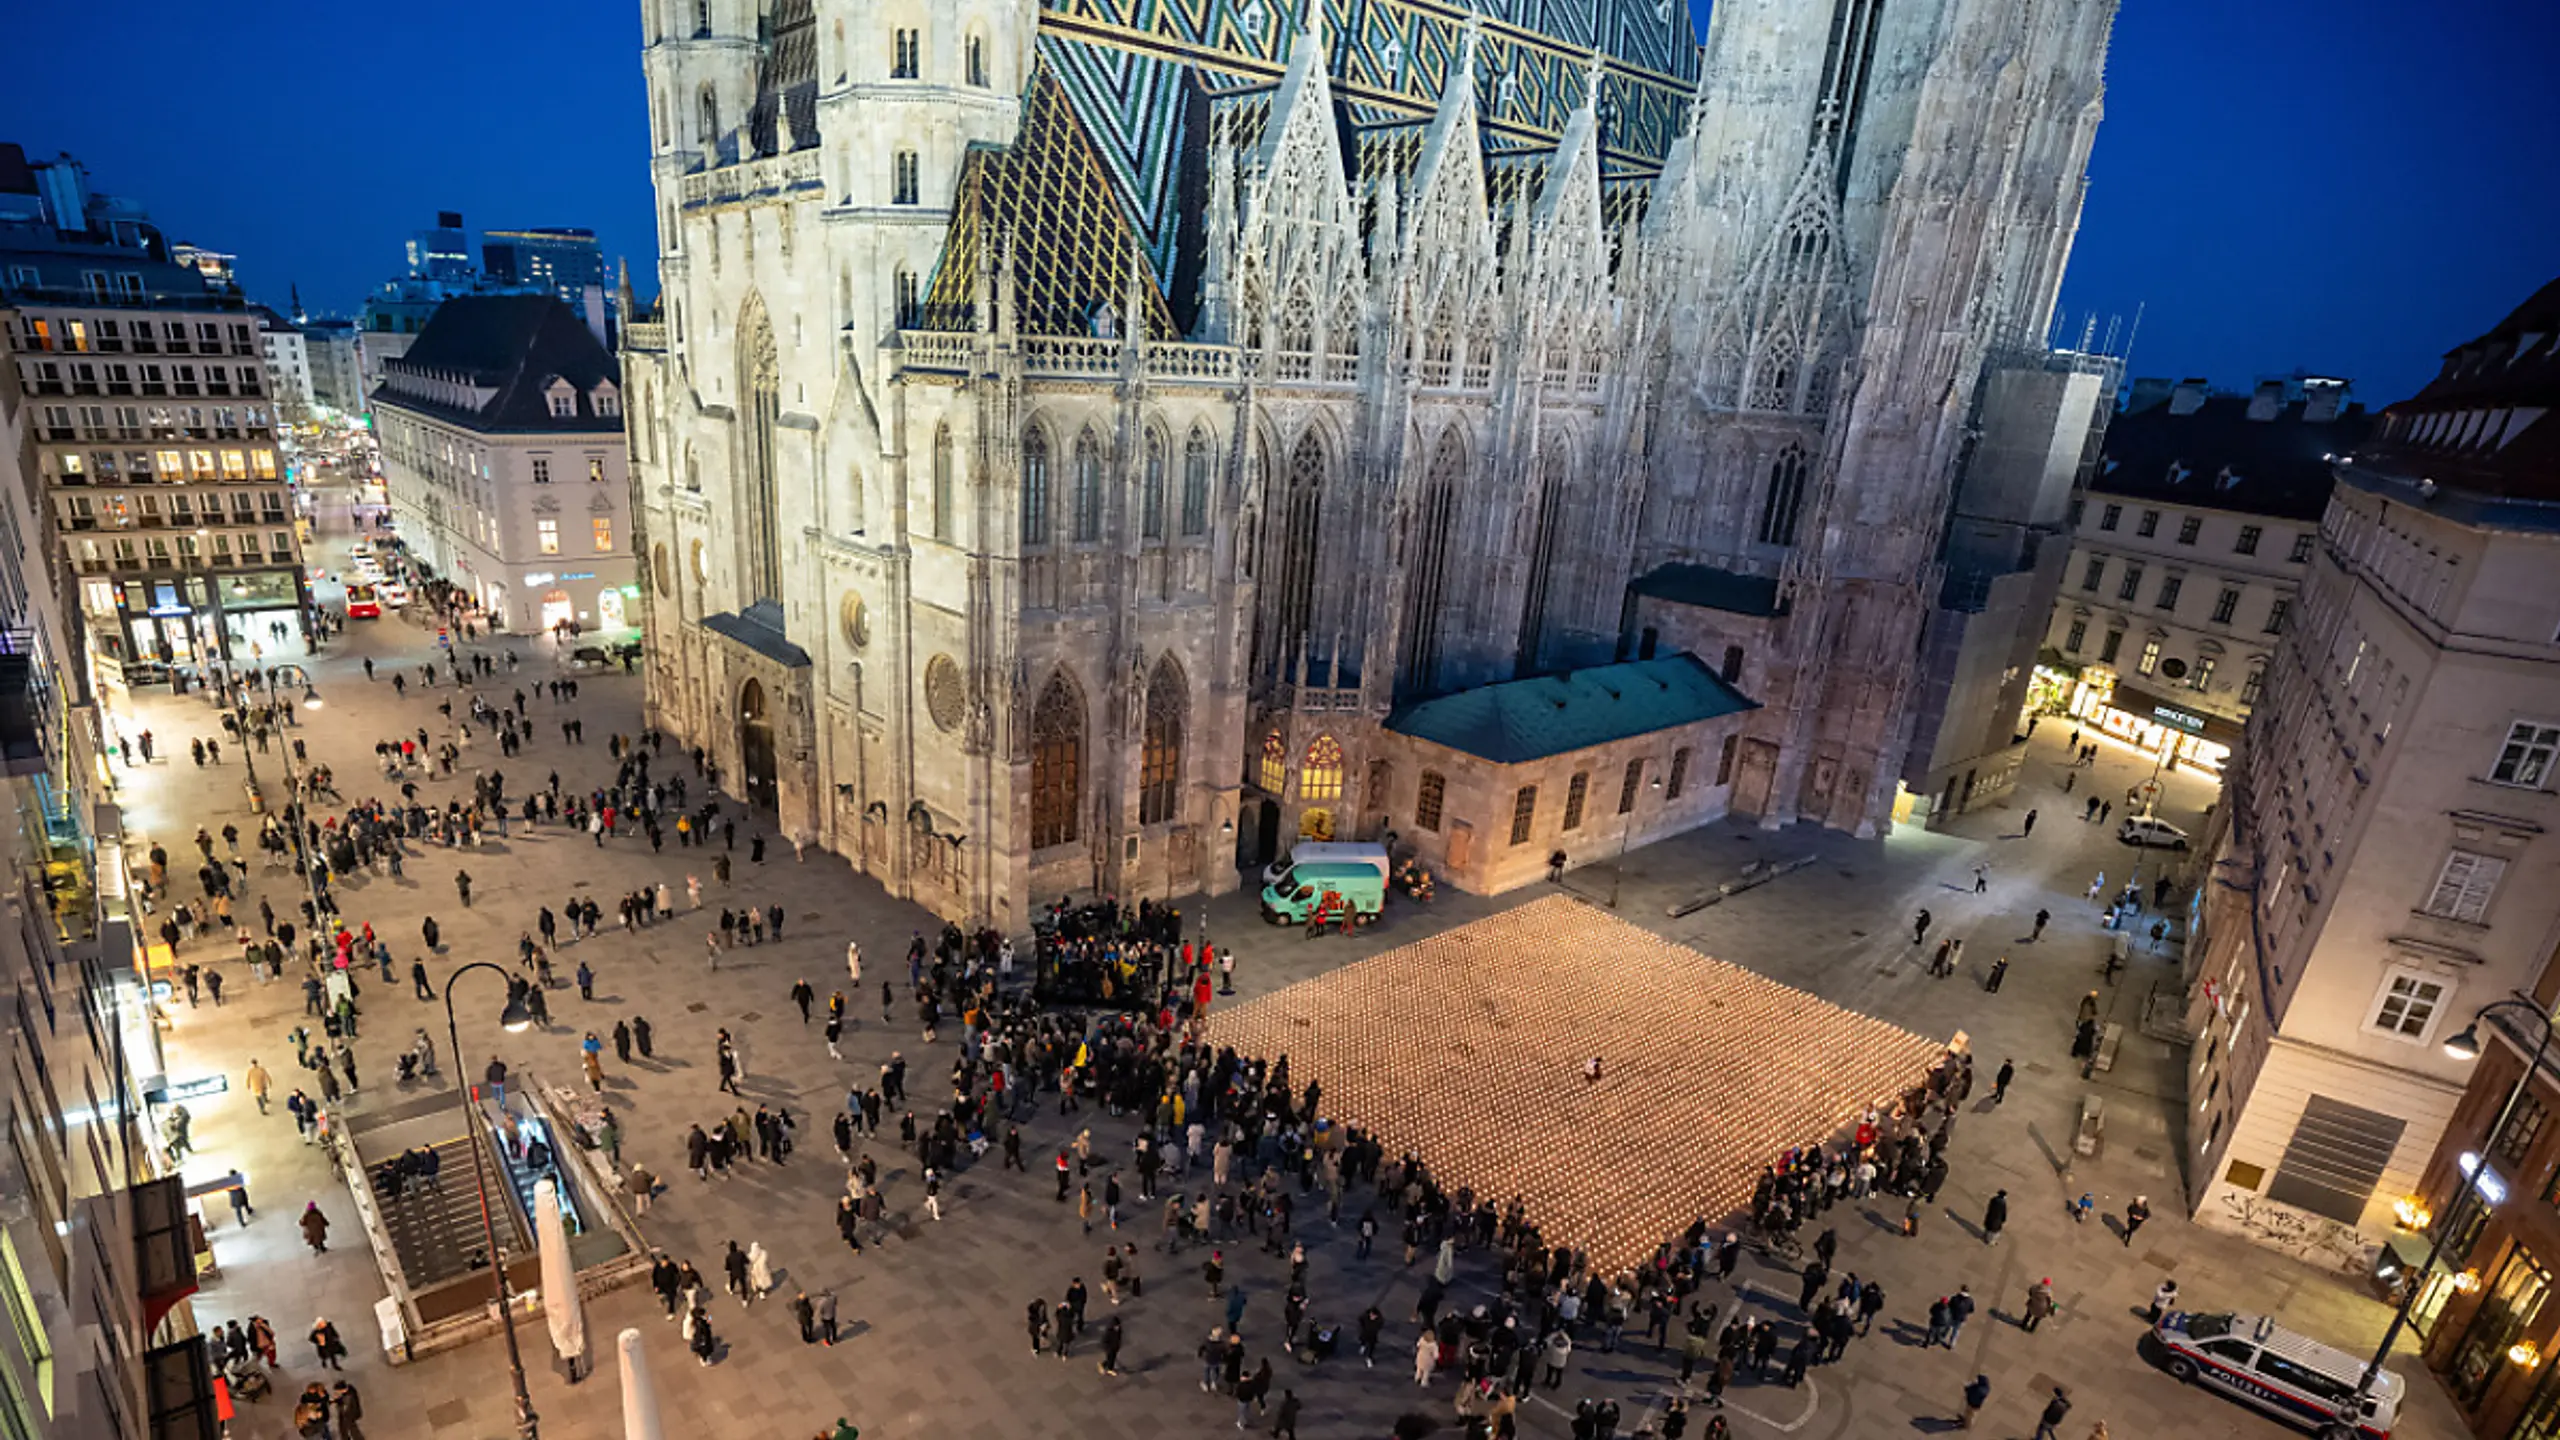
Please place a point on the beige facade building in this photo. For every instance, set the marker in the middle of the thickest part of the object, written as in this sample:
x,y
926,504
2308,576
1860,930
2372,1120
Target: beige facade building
x,y
504,462
154,434
2389,864
1049,416
2188,553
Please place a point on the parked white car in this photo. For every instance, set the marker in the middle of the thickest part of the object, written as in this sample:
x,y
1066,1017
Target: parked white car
x,y
2145,831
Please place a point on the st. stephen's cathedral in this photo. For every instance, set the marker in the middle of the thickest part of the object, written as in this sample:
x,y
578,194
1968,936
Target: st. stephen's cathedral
x,y
1073,433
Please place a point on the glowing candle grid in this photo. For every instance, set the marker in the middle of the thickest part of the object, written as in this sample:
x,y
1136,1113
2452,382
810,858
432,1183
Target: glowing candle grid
x,y
1467,1048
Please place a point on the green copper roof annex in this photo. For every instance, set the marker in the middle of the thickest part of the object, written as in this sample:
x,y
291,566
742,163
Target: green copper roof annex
x,y
1547,715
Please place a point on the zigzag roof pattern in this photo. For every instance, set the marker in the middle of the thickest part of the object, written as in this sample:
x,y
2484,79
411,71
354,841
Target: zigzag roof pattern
x,y
1143,85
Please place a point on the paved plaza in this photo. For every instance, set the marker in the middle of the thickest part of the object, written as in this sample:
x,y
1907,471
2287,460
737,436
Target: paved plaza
x,y
1468,1047
934,1344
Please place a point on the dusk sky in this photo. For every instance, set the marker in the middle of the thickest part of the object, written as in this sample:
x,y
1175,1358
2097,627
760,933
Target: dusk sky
x,y
2348,186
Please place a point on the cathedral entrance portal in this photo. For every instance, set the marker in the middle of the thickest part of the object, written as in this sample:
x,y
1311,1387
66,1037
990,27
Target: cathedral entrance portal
x,y
755,745
1266,847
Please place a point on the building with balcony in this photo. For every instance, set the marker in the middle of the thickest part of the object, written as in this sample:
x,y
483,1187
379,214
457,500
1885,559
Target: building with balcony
x,y
96,1259
502,452
152,426
2188,550
2389,860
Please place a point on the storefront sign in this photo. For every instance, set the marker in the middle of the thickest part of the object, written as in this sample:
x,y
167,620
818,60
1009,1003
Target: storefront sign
x,y
538,577
2178,719
580,575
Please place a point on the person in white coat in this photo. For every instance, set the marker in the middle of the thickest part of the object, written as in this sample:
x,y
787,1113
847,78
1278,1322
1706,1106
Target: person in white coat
x,y
853,961
759,1270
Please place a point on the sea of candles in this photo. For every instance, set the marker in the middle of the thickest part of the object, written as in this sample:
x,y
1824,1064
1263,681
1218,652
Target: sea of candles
x,y
1469,1049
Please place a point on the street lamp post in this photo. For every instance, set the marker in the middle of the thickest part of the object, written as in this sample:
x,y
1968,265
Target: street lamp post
x,y
514,1019
2465,1046
1626,835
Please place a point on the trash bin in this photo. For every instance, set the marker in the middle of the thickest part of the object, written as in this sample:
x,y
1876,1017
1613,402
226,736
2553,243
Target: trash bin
x,y
257,797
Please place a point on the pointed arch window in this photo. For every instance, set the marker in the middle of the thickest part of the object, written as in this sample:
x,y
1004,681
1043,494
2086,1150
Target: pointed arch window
x,y
1286,600
1784,506
1195,484
942,482
1088,492
905,182
976,51
1151,490
1057,763
708,118
1297,336
1479,371
1271,768
1426,563
1160,754
1342,341
910,312
1322,779
1439,353
1035,488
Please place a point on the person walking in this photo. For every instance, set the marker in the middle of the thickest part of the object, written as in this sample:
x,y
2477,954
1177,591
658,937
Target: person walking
x,y
2135,1214
1426,1358
2000,1079
2055,1410
2043,918
1920,928
258,1082
1976,1395
2039,1305
325,1344
350,1410
315,1228
1995,1215
1959,1310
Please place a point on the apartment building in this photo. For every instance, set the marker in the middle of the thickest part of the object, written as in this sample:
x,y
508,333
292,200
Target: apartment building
x,y
2390,860
96,1259
2188,553
502,452
288,361
155,434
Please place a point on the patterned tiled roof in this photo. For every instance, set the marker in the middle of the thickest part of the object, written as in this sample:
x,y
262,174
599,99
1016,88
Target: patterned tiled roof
x,y
1048,197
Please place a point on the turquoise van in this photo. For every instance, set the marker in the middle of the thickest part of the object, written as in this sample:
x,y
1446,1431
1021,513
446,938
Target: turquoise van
x,y
1362,888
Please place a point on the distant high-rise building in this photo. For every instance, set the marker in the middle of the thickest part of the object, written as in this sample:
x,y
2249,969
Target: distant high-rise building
x,y
563,260
337,367
442,252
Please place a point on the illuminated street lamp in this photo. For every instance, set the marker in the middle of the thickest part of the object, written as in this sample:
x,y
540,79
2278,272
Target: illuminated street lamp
x,y
513,1019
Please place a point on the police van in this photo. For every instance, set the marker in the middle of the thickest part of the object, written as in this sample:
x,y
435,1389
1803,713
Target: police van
x,y
2290,1376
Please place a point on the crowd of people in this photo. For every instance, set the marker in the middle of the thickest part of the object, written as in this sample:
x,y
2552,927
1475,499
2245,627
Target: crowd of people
x,y
1227,1158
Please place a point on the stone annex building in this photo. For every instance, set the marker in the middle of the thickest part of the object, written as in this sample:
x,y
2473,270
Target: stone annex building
x,y
1081,442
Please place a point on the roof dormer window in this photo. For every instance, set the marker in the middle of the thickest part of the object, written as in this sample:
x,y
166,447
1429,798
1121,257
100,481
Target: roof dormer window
x,y
606,399
563,398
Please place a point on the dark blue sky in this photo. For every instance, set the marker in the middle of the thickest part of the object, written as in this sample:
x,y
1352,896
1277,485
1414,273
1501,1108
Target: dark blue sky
x,y
2345,185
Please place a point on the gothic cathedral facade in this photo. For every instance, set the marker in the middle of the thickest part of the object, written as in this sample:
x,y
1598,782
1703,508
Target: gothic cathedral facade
x,y
1071,429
